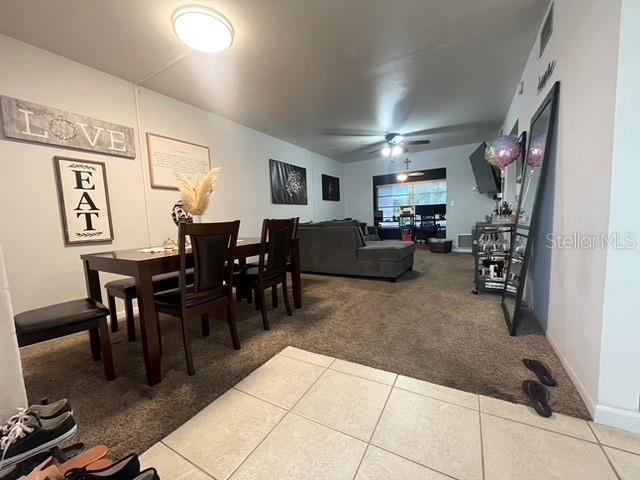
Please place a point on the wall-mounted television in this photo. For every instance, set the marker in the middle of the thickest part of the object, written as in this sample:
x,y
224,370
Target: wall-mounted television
x,y
487,176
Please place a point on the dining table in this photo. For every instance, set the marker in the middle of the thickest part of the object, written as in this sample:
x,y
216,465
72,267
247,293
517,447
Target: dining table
x,y
143,264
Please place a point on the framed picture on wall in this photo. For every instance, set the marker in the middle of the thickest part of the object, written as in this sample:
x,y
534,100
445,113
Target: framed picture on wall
x,y
168,156
330,188
288,183
84,200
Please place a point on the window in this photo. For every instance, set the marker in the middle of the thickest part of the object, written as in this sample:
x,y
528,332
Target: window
x,y
393,198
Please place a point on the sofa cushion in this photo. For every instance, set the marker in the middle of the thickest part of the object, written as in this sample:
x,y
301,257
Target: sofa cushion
x,y
386,251
337,223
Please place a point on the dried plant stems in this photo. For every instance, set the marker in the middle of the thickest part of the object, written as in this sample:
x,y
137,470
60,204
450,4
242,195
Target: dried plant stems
x,y
195,197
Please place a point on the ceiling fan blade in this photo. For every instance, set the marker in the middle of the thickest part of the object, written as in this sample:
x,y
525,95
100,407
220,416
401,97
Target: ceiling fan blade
x,y
418,142
451,128
350,132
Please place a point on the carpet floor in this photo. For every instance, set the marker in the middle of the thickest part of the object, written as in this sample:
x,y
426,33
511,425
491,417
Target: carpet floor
x,y
427,325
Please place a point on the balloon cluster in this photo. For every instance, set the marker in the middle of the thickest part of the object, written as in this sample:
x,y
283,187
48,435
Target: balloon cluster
x,y
536,151
503,151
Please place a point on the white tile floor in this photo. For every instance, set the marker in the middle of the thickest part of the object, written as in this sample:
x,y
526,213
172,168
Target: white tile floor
x,y
307,416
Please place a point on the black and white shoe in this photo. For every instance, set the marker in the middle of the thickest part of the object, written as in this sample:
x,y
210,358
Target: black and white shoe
x,y
29,435
41,460
148,474
44,411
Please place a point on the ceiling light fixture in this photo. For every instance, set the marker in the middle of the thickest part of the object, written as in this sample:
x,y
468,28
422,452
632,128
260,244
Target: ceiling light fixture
x,y
202,29
386,151
397,139
397,150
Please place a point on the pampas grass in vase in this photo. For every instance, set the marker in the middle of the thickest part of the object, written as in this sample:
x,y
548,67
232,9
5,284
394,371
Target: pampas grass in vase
x,y
195,197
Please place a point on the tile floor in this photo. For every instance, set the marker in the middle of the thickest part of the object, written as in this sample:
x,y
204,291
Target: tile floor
x,y
303,416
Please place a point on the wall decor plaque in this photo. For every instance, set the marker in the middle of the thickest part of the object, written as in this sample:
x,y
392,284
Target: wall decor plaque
x,y
32,122
168,156
84,200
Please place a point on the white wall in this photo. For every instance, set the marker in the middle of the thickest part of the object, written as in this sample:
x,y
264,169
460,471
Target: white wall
x,y
243,189
40,269
619,389
12,393
584,45
465,206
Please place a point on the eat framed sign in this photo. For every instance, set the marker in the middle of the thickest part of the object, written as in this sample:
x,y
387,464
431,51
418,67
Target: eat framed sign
x,y
84,200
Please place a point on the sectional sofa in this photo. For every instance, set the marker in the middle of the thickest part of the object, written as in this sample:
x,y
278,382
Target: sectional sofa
x,y
341,248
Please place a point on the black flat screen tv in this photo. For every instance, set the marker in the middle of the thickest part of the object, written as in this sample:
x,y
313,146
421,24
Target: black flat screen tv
x,y
487,176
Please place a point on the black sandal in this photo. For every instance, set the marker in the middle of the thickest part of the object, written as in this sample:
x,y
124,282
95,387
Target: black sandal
x,y
541,370
538,396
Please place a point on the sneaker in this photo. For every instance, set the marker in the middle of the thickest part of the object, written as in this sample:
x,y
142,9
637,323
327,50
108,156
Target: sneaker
x,y
42,460
29,435
41,410
126,469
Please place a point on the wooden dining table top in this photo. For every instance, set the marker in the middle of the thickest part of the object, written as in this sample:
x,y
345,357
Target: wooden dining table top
x,y
135,255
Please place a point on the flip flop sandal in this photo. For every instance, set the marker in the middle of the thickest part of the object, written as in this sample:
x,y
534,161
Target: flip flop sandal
x,y
538,396
85,460
541,370
54,470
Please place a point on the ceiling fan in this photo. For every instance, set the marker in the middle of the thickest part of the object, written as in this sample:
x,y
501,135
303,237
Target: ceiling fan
x,y
395,144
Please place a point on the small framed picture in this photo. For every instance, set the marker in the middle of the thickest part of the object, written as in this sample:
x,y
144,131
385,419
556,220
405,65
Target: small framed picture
x,y
330,188
84,200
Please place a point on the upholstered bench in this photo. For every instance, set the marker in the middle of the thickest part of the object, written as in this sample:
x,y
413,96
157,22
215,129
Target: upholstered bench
x,y
125,289
62,319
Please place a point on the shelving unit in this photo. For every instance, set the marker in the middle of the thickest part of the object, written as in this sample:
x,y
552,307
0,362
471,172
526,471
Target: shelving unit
x,y
486,279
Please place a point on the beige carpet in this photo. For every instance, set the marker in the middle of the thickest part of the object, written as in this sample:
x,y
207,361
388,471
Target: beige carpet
x,y
427,325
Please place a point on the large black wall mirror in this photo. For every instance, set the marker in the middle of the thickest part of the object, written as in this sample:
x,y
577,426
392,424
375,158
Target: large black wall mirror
x,y
532,187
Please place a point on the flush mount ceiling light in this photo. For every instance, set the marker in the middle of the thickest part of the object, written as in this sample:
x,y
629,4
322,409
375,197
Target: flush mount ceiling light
x,y
202,29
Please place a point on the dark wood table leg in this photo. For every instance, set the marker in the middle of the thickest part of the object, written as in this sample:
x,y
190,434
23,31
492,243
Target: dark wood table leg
x,y
92,281
149,329
296,280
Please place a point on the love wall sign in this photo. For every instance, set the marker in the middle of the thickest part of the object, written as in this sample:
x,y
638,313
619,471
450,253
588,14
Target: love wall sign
x,y
84,200
29,121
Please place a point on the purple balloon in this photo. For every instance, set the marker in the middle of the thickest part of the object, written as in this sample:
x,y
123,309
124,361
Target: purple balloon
x,y
536,151
503,151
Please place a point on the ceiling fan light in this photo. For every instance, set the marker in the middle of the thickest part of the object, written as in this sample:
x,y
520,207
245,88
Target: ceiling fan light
x,y
386,151
397,150
202,29
401,177
397,139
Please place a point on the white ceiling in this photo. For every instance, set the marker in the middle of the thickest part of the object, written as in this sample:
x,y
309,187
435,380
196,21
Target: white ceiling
x,y
311,72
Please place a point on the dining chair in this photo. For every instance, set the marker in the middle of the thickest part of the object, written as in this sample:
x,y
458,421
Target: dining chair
x,y
213,246
273,262
125,289
246,292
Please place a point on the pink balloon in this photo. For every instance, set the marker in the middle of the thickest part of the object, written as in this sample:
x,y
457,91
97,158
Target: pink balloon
x,y
503,151
536,151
